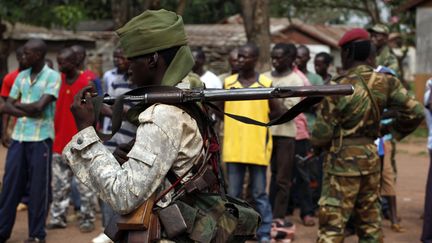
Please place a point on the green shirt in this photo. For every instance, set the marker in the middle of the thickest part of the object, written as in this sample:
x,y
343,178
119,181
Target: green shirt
x,y
314,79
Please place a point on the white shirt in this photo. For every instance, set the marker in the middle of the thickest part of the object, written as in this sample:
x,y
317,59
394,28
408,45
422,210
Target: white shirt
x,y
211,80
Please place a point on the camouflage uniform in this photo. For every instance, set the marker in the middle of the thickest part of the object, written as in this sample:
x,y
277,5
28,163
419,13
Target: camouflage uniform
x,y
62,181
386,58
346,128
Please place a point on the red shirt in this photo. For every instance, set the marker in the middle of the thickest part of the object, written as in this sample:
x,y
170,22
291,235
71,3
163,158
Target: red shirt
x,y
8,82
64,123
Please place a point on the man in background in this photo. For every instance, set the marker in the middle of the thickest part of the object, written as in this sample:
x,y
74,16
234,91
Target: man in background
x,y
233,64
210,79
65,128
282,159
248,147
81,53
28,161
322,62
379,36
303,57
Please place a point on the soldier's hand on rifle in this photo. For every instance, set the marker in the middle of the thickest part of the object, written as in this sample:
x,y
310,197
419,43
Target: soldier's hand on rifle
x,y
82,108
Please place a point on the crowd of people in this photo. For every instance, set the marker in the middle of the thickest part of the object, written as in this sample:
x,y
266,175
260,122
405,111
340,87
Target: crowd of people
x,y
38,125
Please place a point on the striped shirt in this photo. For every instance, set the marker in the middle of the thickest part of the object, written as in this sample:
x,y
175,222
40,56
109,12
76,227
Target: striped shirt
x,y
28,129
116,85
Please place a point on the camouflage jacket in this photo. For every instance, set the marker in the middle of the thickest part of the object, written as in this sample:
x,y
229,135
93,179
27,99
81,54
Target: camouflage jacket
x,y
388,59
352,117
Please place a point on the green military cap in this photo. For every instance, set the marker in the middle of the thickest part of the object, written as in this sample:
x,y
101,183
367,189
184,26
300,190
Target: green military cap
x,y
379,28
157,30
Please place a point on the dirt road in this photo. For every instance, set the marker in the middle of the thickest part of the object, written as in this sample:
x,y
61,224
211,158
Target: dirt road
x,y
413,164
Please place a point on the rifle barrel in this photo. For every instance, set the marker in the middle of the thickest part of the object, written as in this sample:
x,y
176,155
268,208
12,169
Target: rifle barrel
x,y
195,95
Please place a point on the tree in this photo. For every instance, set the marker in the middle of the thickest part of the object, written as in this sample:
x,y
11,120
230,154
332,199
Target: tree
x,y
334,11
257,26
60,13
313,8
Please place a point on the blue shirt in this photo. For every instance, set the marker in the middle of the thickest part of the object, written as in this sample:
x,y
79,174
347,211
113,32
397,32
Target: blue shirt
x,y
28,129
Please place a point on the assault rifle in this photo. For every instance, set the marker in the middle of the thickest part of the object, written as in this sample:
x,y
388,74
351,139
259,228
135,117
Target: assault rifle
x,y
173,95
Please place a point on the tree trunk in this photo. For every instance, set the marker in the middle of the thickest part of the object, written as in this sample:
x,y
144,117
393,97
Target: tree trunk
x,y
371,8
120,12
181,7
257,26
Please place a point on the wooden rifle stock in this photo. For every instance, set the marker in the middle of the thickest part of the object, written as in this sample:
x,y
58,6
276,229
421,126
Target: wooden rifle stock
x,y
140,224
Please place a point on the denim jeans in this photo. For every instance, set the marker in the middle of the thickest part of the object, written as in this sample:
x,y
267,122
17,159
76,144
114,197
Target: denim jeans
x,y
257,175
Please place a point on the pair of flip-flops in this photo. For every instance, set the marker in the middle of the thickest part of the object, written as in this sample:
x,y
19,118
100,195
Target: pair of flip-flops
x,y
282,231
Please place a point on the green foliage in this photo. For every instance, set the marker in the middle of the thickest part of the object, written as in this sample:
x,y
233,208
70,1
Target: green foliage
x,y
204,11
68,15
49,13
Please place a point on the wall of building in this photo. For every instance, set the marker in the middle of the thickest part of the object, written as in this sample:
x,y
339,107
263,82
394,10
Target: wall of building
x,y
424,49
424,40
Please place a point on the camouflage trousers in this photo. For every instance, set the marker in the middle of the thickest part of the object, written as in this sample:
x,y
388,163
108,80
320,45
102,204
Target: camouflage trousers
x,y
61,186
345,195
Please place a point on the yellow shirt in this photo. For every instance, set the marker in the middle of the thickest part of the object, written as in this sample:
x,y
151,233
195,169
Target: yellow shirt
x,y
246,143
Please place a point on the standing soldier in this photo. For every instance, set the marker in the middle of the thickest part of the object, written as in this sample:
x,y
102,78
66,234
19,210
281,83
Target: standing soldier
x,y
346,128
385,57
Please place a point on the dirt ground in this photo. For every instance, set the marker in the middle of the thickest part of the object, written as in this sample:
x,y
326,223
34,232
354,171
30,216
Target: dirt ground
x,y
413,162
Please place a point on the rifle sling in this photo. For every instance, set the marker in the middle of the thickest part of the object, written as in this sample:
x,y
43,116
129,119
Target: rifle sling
x,y
300,107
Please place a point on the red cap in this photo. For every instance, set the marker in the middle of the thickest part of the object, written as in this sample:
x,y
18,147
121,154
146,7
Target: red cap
x,y
353,35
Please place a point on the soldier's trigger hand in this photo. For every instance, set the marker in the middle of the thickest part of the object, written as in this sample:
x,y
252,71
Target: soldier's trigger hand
x,y
82,108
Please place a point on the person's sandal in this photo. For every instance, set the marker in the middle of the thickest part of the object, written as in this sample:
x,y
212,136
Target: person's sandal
x,y
397,228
